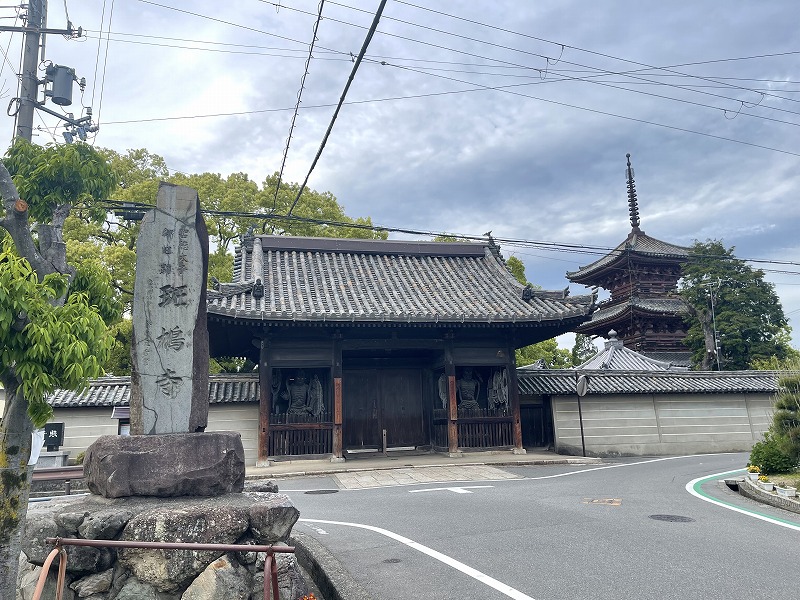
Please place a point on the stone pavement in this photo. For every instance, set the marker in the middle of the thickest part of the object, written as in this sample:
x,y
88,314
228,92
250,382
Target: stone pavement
x,y
424,474
403,468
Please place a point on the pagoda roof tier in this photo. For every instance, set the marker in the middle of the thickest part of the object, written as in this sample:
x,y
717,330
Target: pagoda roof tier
x,y
637,247
296,280
605,316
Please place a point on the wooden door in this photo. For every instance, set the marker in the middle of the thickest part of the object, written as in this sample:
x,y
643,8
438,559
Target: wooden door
x,y
362,427
533,431
375,400
401,404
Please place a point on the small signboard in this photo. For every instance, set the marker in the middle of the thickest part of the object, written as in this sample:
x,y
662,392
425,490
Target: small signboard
x,y
53,436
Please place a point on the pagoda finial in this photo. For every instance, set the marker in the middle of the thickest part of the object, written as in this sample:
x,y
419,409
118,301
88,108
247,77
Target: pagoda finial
x,y
633,206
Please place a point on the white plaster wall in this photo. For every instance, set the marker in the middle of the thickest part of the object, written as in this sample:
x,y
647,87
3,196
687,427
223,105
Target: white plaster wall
x,y
661,424
239,417
82,426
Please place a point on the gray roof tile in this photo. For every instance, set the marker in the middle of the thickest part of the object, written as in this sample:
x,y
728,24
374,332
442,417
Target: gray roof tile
x,y
562,382
656,306
616,357
637,243
115,391
320,279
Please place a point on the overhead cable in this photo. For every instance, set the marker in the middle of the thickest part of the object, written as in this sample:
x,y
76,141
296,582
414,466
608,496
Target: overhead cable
x,y
551,246
668,68
548,60
297,106
356,64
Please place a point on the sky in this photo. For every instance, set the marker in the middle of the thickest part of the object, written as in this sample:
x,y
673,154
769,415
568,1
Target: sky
x,y
470,116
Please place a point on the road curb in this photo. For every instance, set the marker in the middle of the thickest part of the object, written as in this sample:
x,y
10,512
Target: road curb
x,y
332,579
508,463
750,490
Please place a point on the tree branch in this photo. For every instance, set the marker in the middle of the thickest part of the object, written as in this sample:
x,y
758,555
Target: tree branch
x,y
18,226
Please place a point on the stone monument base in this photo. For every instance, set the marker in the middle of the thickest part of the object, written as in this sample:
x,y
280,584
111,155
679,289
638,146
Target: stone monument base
x,y
166,465
149,573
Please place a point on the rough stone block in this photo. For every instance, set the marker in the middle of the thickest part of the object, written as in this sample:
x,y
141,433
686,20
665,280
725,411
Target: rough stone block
x,y
181,464
104,524
169,570
221,580
272,517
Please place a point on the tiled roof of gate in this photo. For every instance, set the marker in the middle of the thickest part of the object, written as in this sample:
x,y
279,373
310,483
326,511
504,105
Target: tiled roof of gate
x,y
115,391
562,382
339,280
638,243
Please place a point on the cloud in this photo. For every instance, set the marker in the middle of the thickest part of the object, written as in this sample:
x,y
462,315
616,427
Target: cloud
x,y
713,138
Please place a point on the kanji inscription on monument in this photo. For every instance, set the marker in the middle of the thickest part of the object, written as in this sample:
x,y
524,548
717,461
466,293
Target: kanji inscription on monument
x,y
169,392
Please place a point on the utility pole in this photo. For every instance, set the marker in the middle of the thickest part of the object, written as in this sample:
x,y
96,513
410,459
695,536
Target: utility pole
x,y
29,81
61,77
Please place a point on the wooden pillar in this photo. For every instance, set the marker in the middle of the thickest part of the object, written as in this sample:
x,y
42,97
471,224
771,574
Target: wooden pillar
x,y
338,414
452,405
513,398
264,402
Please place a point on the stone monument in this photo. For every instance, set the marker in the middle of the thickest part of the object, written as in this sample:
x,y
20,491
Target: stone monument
x,y
168,454
169,351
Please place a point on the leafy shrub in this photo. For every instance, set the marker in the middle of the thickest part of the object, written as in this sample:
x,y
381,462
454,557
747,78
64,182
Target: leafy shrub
x,y
79,458
786,420
770,456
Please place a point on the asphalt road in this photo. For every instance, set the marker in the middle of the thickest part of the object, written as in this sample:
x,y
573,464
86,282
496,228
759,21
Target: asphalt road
x,y
558,532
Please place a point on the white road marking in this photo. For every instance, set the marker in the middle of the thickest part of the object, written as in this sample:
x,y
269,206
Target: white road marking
x,y
319,530
749,513
451,562
458,490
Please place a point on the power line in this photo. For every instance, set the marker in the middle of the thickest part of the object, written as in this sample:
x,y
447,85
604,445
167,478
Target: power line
x,y
645,93
395,58
668,68
220,51
105,63
297,106
607,113
6,61
99,45
548,59
357,63
374,57
549,246
230,23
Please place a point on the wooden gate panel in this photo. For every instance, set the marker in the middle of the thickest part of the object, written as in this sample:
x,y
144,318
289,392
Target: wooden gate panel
x,y
361,410
401,403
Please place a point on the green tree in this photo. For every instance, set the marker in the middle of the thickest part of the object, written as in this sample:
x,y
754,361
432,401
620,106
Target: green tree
x,y
446,238
583,350
51,336
786,419
548,351
728,297
517,268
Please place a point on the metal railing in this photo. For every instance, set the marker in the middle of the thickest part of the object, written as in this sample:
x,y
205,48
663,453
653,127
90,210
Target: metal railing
x,y
65,474
270,565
